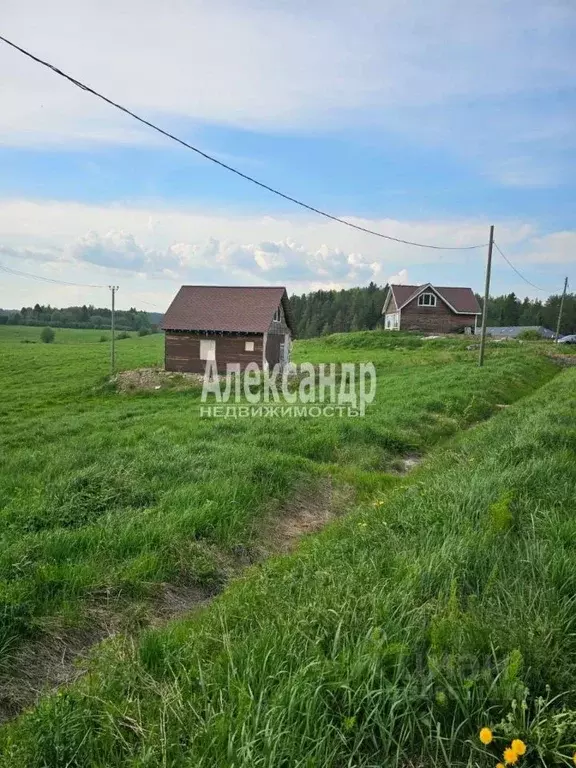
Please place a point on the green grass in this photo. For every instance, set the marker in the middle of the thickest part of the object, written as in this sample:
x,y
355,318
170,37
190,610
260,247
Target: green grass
x,y
105,497
390,638
27,334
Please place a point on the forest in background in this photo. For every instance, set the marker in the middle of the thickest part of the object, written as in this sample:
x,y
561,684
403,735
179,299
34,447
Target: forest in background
x,y
81,317
316,314
357,309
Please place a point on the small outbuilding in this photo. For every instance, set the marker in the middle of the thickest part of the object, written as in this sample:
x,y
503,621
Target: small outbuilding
x,y
229,325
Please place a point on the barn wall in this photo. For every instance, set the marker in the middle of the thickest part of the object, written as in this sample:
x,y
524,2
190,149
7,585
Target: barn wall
x,y
438,319
182,351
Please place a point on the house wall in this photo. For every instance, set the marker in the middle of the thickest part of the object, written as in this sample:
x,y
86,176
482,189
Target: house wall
x,y
438,319
182,351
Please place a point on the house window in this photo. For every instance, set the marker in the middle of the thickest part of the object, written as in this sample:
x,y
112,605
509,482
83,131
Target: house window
x,y
249,346
427,300
277,315
207,349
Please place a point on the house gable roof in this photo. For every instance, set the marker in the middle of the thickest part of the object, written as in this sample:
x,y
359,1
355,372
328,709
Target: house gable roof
x,y
232,309
460,300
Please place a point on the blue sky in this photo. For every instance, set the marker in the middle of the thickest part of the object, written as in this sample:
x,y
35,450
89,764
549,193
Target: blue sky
x,y
425,123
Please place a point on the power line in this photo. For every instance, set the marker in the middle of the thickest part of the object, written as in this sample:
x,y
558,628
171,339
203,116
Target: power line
x,y
230,168
18,273
506,259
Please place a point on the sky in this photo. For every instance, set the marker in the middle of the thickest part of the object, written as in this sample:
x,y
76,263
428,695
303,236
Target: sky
x,y
424,121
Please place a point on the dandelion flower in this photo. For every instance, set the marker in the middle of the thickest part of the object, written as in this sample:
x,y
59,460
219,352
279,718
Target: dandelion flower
x,y
485,735
510,757
500,765
518,746
574,758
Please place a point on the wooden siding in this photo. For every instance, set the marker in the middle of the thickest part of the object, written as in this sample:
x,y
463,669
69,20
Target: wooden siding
x,y
182,351
438,319
392,307
279,327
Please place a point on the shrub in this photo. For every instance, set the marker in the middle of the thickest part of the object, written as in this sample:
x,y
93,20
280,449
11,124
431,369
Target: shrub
x,y
529,335
102,338
123,335
143,331
47,335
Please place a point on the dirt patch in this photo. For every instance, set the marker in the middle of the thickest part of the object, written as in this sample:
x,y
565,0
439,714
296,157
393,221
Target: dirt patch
x,y
148,379
42,665
309,510
563,360
405,464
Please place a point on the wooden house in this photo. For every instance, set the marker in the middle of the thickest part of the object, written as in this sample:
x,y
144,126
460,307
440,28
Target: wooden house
x,y
431,309
227,324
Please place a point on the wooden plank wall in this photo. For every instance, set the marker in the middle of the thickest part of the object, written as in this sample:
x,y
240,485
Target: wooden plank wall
x,y
438,319
182,351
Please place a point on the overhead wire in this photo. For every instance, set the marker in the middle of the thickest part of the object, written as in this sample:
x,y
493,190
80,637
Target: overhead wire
x,y
507,260
230,168
19,273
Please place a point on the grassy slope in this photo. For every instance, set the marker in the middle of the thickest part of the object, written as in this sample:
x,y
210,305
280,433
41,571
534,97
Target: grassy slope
x,y
105,496
388,639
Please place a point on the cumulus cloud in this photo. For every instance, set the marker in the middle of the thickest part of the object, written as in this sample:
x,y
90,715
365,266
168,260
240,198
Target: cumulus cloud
x,y
213,260
103,244
400,278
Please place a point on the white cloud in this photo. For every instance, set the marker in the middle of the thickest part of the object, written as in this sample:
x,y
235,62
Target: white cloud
x,y
401,278
104,244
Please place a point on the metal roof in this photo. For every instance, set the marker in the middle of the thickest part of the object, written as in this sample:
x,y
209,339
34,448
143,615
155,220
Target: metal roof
x,y
511,331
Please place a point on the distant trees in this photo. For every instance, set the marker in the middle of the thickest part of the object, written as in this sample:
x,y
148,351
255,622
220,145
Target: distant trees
x,y
47,335
510,310
356,309
323,312
79,317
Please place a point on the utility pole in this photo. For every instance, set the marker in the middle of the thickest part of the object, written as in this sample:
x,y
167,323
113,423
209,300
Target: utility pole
x,y
486,297
561,308
113,288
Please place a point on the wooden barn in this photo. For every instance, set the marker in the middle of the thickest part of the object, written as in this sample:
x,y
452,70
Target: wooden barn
x,y
227,324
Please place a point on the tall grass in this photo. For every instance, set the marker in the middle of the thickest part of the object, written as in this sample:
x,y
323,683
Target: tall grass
x,y
389,639
105,494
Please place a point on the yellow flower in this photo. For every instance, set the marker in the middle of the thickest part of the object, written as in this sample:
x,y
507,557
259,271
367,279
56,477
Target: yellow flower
x,y
485,735
518,746
500,765
574,758
510,757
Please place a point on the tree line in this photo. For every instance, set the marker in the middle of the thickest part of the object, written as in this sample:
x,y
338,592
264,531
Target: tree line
x,y
316,314
79,317
356,309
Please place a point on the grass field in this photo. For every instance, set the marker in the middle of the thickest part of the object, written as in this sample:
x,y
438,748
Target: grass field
x,y
106,497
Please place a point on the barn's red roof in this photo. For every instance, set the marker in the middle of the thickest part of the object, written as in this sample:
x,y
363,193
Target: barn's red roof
x,y
461,300
235,309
